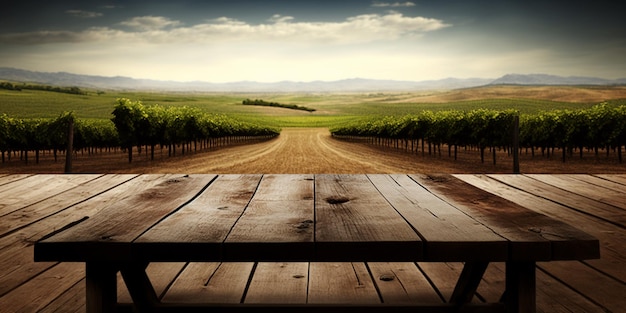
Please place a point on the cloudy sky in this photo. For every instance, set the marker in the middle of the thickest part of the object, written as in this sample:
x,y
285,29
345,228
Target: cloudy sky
x,y
269,41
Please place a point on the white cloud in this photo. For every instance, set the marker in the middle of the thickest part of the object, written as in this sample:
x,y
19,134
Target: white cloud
x,y
277,18
227,49
158,29
83,14
148,23
393,5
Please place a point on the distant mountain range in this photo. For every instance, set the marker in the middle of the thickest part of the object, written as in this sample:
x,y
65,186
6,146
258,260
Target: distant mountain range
x,y
346,85
543,79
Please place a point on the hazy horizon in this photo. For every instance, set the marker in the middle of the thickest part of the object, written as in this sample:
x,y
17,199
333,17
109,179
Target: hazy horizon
x,y
304,41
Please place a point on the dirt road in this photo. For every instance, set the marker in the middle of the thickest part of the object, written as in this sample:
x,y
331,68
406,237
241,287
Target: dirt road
x,y
296,150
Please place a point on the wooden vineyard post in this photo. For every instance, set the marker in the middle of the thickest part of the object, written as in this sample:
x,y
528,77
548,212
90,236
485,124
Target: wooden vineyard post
x,y
516,144
70,146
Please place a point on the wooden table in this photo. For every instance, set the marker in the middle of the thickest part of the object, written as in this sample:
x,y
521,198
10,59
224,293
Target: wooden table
x,y
311,218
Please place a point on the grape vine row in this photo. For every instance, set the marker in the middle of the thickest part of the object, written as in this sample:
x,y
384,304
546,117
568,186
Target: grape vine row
x,y
133,125
601,127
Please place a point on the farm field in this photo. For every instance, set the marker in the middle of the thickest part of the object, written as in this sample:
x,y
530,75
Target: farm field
x,y
305,144
331,108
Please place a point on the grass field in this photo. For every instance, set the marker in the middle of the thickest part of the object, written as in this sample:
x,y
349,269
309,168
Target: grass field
x,y
331,109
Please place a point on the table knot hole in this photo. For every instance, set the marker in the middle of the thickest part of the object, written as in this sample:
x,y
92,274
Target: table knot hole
x,y
387,277
337,199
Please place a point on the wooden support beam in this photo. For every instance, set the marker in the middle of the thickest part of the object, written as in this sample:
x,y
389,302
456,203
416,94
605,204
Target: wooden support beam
x,y
101,285
468,282
520,294
139,286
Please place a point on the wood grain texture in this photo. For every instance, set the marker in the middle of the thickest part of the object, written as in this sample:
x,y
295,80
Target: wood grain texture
x,y
538,187
210,283
611,237
341,283
583,279
585,185
355,222
6,179
33,189
532,236
109,233
38,292
198,229
589,286
65,198
449,234
402,283
277,224
617,178
279,282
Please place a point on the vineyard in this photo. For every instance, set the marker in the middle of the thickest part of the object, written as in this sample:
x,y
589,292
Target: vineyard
x,y
602,127
133,125
469,124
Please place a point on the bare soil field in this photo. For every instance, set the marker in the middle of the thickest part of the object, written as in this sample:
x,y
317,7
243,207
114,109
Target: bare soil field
x,y
554,93
313,150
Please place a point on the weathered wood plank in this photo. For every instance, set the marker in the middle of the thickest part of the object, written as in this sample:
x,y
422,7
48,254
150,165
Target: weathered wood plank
x,y
402,283
604,182
406,287
554,300
617,178
449,234
341,283
581,184
109,234
210,283
10,178
354,221
533,236
199,228
36,188
552,295
277,225
586,280
276,282
572,200
16,249
611,237
43,289
71,301
61,201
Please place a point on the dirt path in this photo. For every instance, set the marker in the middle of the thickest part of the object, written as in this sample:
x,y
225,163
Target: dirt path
x,y
314,151
296,150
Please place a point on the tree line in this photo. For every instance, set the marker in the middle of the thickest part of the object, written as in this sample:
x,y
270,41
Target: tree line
x,y
19,87
261,102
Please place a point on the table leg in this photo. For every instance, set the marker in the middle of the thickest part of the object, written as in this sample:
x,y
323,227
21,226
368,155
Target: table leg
x,y
101,286
520,294
139,286
468,282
